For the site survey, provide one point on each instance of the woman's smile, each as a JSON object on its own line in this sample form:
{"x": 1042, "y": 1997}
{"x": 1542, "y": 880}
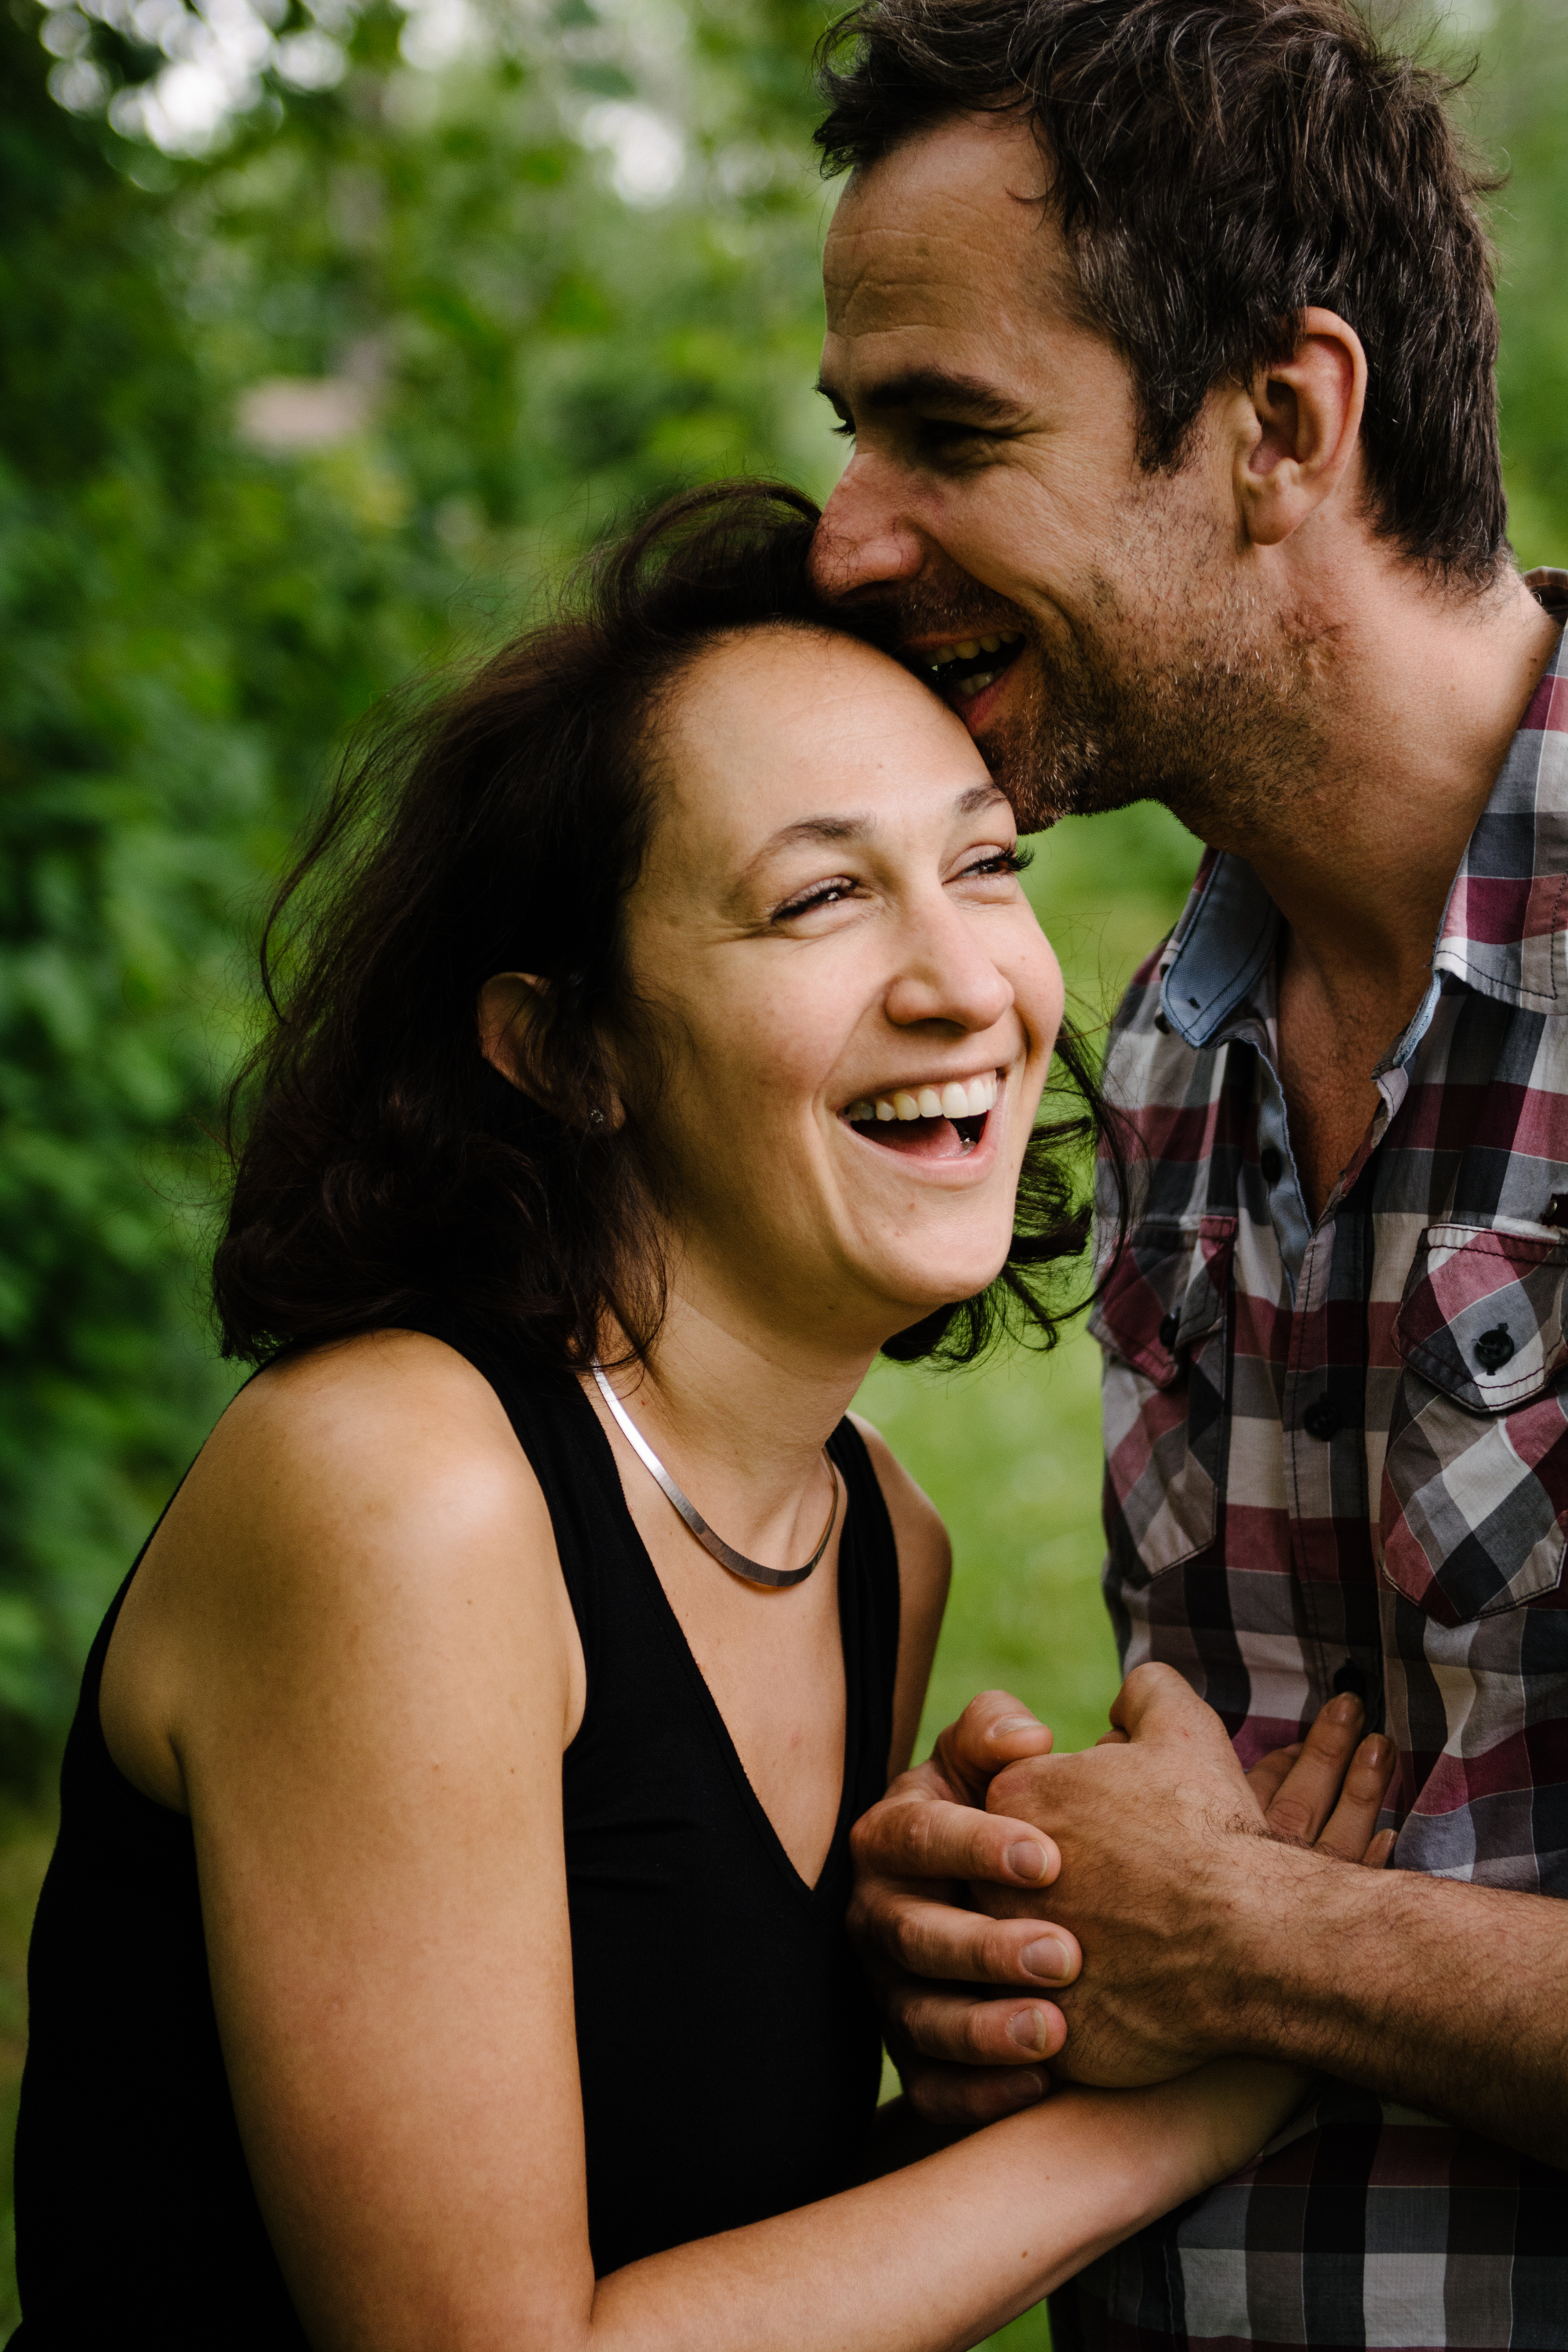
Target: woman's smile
{"x": 934, "y": 1118}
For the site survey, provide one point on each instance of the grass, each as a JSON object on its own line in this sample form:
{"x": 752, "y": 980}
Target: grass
{"x": 1009, "y": 1453}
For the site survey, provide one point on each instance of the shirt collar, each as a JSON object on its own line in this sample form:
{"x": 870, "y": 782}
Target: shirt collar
{"x": 1505, "y": 929}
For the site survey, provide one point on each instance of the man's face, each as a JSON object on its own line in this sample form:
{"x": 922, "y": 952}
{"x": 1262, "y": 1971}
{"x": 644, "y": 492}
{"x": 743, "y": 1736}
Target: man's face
{"x": 1095, "y": 625}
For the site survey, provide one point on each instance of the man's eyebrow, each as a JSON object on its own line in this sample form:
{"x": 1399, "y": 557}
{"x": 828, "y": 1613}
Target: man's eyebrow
{"x": 936, "y": 388}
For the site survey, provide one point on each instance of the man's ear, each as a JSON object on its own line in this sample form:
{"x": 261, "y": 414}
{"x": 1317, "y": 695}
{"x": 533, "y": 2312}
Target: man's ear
{"x": 512, "y": 1006}
{"x": 1299, "y": 426}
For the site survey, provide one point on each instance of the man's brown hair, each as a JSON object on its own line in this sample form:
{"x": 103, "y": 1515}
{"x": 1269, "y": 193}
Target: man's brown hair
{"x": 1217, "y": 166}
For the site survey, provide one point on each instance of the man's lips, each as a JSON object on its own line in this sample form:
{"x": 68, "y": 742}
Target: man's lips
{"x": 963, "y": 669}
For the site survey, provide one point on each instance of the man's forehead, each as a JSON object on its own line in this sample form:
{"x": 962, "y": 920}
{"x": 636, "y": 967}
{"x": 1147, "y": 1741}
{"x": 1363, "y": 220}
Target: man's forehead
{"x": 948, "y": 225}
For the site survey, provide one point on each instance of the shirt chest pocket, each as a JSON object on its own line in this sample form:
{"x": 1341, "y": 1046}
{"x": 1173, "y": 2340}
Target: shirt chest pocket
{"x": 1162, "y": 1320}
{"x": 1475, "y": 1483}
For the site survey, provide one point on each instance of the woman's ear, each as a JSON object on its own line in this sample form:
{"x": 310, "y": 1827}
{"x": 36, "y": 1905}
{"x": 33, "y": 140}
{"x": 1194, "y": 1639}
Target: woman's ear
{"x": 512, "y": 1007}
{"x": 509, "y": 1007}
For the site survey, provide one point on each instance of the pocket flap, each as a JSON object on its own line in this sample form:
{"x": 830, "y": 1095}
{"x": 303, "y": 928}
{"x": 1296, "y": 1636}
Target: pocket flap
{"x": 1165, "y": 1291}
{"x": 1482, "y": 1314}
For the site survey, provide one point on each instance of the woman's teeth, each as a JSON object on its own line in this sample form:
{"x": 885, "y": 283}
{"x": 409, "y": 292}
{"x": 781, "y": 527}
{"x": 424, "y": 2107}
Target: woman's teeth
{"x": 955, "y": 1100}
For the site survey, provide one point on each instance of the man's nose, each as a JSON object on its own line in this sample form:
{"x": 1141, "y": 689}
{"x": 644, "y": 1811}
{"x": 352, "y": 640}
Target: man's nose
{"x": 864, "y": 540}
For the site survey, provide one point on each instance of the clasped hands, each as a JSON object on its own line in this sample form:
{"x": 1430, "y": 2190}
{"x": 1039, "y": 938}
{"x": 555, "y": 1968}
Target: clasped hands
{"x": 1136, "y": 1900}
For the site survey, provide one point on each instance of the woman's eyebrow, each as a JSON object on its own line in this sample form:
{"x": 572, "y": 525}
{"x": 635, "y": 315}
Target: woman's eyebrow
{"x": 968, "y": 802}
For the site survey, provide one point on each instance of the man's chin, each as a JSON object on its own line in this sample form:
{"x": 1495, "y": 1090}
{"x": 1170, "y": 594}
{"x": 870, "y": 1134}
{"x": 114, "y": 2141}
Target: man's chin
{"x": 1045, "y": 780}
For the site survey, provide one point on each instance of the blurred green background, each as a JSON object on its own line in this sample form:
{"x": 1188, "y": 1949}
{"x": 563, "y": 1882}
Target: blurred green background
{"x": 330, "y": 331}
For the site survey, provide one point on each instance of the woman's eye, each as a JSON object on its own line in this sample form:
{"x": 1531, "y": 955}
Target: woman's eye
{"x": 999, "y": 861}
{"x": 823, "y": 894}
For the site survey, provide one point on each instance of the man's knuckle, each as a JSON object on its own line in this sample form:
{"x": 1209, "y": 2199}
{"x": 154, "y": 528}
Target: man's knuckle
{"x": 1291, "y": 1817}
{"x": 872, "y": 1836}
{"x": 978, "y": 2032}
{"x": 906, "y": 1938}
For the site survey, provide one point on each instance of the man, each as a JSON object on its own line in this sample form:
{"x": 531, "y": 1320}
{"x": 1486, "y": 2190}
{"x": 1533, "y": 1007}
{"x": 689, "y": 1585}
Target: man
{"x": 1165, "y": 331}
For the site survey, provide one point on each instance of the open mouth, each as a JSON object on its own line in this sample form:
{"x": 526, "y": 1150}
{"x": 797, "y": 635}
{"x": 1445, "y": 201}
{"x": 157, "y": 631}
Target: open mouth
{"x": 931, "y": 1122}
{"x": 962, "y": 671}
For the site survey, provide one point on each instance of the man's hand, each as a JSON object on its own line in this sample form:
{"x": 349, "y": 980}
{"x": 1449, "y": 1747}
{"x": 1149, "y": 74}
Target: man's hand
{"x": 924, "y": 1852}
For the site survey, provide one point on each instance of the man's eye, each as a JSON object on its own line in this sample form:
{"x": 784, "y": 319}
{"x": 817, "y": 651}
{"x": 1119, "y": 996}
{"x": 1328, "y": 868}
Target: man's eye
{"x": 937, "y": 433}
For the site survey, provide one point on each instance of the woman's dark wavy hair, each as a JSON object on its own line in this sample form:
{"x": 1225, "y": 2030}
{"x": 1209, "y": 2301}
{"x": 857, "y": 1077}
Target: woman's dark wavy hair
{"x": 382, "y": 1171}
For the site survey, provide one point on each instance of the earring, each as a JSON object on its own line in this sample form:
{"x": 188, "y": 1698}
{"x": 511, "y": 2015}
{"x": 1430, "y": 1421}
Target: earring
{"x": 596, "y": 1118}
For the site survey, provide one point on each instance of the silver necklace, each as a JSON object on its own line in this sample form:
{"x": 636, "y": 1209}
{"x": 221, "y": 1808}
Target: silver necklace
{"x": 735, "y": 1561}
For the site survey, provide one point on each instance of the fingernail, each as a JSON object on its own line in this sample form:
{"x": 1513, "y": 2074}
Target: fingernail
{"x": 1015, "y": 1723}
{"x": 1024, "y": 2089}
{"x": 1028, "y": 2029}
{"x": 1346, "y": 1710}
{"x": 1026, "y": 1860}
{"x": 1048, "y": 1959}
{"x": 1376, "y": 1749}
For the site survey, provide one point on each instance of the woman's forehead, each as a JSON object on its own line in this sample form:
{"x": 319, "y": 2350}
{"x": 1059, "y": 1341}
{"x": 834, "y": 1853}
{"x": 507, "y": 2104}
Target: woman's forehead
{"x": 788, "y": 721}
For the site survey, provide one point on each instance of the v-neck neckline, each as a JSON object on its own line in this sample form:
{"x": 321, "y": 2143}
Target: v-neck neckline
{"x": 763, "y": 1822}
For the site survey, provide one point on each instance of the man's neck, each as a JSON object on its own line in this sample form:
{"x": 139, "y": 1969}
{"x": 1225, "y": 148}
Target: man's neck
{"x": 1417, "y": 713}
{"x": 1423, "y": 702}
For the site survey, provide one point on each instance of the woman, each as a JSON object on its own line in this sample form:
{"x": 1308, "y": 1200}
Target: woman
{"x": 444, "y": 1945}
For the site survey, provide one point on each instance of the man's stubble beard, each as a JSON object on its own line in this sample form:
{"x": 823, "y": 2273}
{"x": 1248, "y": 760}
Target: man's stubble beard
{"x": 1179, "y": 687}
{"x": 1213, "y": 717}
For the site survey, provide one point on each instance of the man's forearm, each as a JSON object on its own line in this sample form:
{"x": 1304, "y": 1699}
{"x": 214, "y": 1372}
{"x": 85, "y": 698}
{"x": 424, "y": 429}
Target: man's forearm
{"x": 1452, "y": 1999}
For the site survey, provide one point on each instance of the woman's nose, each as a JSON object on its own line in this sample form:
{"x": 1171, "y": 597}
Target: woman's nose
{"x": 947, "y": 976}
{"x": 864, "y": 540}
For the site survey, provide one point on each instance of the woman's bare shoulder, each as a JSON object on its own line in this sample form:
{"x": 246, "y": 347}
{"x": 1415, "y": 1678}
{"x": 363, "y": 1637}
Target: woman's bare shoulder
{"x": 361, "y": 1511}
{"x": 392, "y": 1429}
{"x": 925, "y": 1555}
{"x": 926, "y": 1568}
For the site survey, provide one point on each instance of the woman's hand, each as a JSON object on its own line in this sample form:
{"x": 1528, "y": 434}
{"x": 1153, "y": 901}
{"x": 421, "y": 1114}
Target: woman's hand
{"x": 967, "y": 1996}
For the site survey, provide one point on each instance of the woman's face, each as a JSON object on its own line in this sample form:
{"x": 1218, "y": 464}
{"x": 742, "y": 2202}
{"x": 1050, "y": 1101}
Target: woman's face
{"x": 854, "y": 1005}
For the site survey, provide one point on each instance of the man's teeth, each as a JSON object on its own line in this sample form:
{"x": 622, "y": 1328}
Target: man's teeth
{"x": 970, "y": 649}
{"x": 955, "y": 1100}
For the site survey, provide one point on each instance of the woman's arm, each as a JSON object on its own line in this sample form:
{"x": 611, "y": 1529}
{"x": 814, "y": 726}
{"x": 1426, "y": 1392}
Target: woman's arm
{"x": 368, "y": 1675}
{"x": 940, "y": 2254}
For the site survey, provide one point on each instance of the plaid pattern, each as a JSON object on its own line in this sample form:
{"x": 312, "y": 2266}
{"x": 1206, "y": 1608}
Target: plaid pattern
{"x": 1337, "y": 1458}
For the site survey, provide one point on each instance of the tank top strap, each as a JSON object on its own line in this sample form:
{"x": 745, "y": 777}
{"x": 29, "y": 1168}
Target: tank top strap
{"x": 571, "y": 1457}
{"x": 868, "y": 1615}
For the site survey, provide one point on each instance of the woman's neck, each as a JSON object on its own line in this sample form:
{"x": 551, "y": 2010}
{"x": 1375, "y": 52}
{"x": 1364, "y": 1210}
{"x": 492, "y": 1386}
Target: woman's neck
{"x": 739, "y": 1415}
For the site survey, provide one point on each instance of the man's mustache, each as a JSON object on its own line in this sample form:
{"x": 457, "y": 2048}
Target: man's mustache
{"x": 902, "y": 620}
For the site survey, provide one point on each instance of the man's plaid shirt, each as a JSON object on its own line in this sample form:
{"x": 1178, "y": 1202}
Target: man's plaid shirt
{"x": 1337, "y": 1459}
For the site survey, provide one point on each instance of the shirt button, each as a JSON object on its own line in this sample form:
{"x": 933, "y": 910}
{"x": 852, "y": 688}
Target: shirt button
{"x": 1270, "y": 1163}
{"x": 1494, "y": 1349}
{"x": 1320, "y": 1420}
{"x": 1168, "y": 1330}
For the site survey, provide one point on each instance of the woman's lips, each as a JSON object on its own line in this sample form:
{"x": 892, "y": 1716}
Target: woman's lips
{"x": 929, "y": 1138}
{"x": 934, "y": 1121}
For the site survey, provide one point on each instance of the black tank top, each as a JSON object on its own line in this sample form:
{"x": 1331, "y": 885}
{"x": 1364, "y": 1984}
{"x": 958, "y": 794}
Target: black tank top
{"x": 727, "y": 2044}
